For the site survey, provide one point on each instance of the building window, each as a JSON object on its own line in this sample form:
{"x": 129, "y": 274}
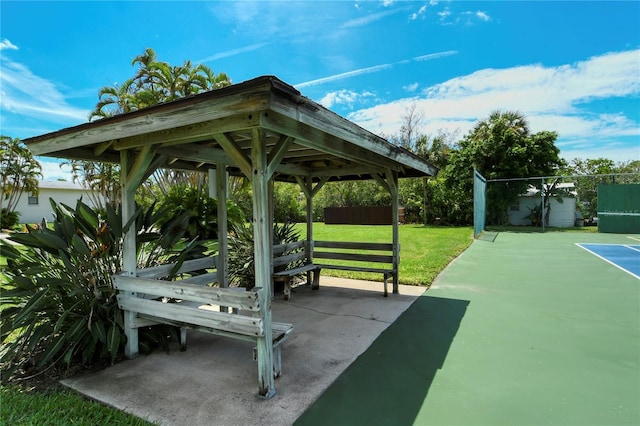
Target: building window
{"x": 33, "y": 199}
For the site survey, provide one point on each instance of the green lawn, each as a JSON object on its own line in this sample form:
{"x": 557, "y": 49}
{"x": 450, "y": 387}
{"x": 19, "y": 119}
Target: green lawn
{"x": 424, "y": 250}
{"x": 18, "y": 406}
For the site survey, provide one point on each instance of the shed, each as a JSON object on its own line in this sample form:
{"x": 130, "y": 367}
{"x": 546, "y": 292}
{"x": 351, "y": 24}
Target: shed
{"x": 562, "y": 206}
{"x": 263, "y": 129}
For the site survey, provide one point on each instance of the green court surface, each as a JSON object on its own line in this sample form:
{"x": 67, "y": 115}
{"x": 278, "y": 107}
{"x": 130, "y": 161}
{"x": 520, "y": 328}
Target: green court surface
{"x": 527, "y": 329}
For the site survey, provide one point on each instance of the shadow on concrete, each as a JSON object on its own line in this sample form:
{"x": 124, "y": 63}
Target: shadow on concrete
{"x": 387, "y": 384}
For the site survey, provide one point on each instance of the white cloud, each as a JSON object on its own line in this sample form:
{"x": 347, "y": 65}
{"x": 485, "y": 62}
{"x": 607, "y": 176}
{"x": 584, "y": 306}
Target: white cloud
{"x": 419, "y": 14}
{"x": 344, "y": 75}
{"x": 6, "y": 44}
{"x": 411, "y": 87}
{"x": 233, "y": 52}
{"x": 374, "y": 68}
{"x": 28, "y": 94}
{"x": 344, "y": 97}
{"x": 365, "y": 20}
{"x": 53, "y": 169}
{"x": 483, "y": 16}
{"x": 386, "y": 3}
{"x": 552, "y": 98}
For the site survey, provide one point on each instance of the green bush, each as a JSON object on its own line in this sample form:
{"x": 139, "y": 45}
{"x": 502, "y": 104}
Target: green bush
{"x": 241, "y": 258}
{"x": 58, "y": 304}
{"x": 8, "y": 220}
{"x": 201, "y": 210}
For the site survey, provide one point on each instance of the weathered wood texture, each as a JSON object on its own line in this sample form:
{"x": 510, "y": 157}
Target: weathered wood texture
{"x": 301, "y": 138}
{"x": 290, "y": 260}
{"x": 379, "y": 253}
{"x": 189, "y": 303}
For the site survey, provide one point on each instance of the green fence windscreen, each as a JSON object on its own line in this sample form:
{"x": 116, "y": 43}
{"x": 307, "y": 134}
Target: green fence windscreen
{"x": 479, "y": 202}
{"x": 619, "y": 208}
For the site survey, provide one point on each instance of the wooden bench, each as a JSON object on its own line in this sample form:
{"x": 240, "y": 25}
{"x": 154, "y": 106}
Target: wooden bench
{"x": 290, "y": 260}
{"x": 189, "y": 303}
{"x": 379, "y": 253}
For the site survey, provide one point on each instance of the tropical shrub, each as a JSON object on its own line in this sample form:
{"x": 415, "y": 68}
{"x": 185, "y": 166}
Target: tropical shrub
{"x": 58, "y": 304}
{"x": 201, "y": 210}
{"x": 241, "y": 258}
{"x": 8, "y": 220}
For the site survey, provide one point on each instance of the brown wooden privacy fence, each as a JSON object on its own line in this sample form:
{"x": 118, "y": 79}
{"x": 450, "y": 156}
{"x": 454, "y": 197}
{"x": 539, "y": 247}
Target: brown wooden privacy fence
{"x": 368, "y": 215}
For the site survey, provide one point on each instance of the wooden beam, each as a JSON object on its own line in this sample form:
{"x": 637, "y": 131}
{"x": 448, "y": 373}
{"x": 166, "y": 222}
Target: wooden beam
{"x": 381, "y": 180}
{"x": 307, "y": 113}
{"x": 101, "y": 148}
{"x": 223, "y": 232}
{"x": 129, "y": 261}
{"x": 320, "y": 140}
{"x": 235, "y": 153}
{"x": 277, "y": 153}
{"x": 262, "y": 263}
{"x": 192, "y": 132}
{"x": 140, "y": 167}
{"x": 221, "y": 103}
{"x": 392, "y": 182}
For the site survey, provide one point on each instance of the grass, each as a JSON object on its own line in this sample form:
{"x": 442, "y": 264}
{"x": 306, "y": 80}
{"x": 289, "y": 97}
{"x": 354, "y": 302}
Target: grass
{"x": 424, "y": 250}
{"x": 20, "y": 406}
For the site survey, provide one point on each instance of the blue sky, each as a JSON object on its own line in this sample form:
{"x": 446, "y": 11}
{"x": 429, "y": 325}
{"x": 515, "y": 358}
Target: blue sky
{"x": 571, "y": 67}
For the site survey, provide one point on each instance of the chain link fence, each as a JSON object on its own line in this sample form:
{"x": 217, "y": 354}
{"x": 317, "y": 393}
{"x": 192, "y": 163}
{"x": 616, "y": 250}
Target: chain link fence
{"x": 551, "y": 201}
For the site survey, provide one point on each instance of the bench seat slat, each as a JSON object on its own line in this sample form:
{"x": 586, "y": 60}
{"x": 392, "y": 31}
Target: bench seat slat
{"x": 240, "y": 324}
{"x": 355, "y": 268}
{"x": 296, "y": 271}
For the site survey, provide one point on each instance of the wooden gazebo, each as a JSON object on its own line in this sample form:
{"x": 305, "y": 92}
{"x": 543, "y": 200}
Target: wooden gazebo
{"x": 263, "y": 129}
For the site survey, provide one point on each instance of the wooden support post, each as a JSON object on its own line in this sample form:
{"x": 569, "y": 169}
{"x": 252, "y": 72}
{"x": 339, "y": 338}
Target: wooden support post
{"x": 259, "y": 182}
{"x": 392, "y": 182}
{"x": 270, "y": 190}
{"x": 223, "y": 231}
{"x": 309, "y": 191}
{"x": 129, "y": 262}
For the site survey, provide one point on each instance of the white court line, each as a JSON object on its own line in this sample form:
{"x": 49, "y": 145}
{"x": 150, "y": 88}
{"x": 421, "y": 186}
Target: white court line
{"x": 629, "y": 247}
{"x": 607, "y": 260}
{"x": 634, "y": 238}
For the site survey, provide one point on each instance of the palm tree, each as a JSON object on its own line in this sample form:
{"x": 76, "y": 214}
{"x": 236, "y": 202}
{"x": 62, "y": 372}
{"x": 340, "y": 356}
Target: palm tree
{"x": 116, "y": 99}
{"x": 19, "y": 171}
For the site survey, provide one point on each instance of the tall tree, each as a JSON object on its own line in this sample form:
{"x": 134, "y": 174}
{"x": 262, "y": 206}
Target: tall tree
{"x": 153, "y": 82}
{"x": 19, "y": 171}
{"x": 116, "y": 99}
{"x": 501, "y": 147}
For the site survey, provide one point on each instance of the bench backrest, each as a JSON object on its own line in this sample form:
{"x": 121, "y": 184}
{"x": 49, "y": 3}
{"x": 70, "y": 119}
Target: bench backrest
{"x": 284, "y": 254}
{"x": 188, "y": 300}
{"x": 370, "y": 252}
{"x": 163, "y": 271}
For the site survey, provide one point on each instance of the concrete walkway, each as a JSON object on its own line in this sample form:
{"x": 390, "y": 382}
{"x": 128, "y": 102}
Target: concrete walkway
{"x": 215, "y": 381}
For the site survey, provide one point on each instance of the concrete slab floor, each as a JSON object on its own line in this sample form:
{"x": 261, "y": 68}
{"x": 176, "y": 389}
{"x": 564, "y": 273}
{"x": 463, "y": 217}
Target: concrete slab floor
{"x": 215, "y": 380}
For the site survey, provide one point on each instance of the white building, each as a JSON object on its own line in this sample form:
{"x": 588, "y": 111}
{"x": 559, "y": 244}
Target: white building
{"x": 33, "y": 208}
{"x": 563, "y": 214}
